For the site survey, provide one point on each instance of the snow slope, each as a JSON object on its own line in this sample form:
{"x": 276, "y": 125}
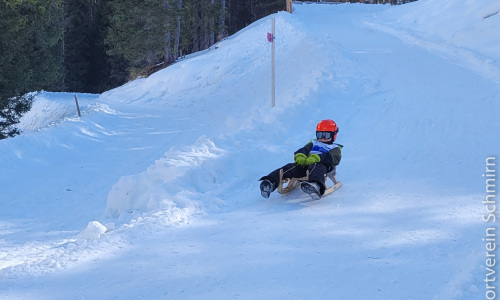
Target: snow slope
{"x": 153, "y": 193}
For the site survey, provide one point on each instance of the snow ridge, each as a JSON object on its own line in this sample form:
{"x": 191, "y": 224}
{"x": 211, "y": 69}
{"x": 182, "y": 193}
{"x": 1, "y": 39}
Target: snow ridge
{"x": 156, "y": 188}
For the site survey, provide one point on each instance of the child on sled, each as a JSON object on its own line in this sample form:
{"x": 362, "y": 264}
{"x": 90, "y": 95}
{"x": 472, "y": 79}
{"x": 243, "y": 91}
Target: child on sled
{"x": 319, "y": 157}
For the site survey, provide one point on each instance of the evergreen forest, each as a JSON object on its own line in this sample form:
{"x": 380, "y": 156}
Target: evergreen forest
{"x": 91, "y": 46}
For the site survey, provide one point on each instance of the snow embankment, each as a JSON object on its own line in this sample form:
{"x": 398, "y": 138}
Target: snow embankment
{"x": 51, "y": 109}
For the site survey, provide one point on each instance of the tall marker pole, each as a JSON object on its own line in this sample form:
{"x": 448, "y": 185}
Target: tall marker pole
{"x": 272, "y": 64}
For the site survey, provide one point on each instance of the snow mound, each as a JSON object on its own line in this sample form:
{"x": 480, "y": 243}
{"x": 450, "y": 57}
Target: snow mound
{"x": 93, "y": 231}
{"x": 157, "y": 189}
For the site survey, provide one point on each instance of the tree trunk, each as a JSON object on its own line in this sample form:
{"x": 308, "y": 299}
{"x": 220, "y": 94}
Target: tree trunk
{"x": 178, "y": 32}
{"x": 222, "y": 19}
{"x": 167, "y": 58}
{"x": 212, "y": 29}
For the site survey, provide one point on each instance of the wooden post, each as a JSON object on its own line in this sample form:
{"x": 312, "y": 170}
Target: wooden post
{"x": 272, "y": 64}
{"x": 289, "y": 6}
{"x": 78, "y": 106}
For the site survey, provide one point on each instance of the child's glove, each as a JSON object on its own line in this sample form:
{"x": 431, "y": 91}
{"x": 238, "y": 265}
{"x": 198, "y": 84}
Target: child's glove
{"x": 300, "y": 159}
{"x": 313, "y": 158}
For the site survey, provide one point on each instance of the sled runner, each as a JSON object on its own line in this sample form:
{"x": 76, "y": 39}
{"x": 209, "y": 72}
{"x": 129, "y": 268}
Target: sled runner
{"x": 287, "y": 185}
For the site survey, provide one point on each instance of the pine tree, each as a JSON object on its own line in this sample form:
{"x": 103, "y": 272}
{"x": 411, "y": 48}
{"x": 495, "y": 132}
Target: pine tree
{"x": 178, "y": 12}
{"x": 200, "y": 22}
{"x": 11, "y": 113}
{"x": 46, "y": 41}
{"x": 86, "y": 66}
{"x": 151, "y": 33}
{"x": 262, "y": 8}
{"x": 137, "y": 33}
{"x": 30, "y": 55}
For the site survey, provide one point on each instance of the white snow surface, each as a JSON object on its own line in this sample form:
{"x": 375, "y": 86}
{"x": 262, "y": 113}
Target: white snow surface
{"x": 154, "y": 194}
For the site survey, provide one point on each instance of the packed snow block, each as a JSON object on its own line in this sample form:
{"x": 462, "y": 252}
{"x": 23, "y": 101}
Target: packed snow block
{"x": 93, "y": 231}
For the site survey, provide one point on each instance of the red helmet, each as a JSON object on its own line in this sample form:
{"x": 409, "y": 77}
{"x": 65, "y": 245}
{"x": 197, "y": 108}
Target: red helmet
{"x": 328, "y": 126}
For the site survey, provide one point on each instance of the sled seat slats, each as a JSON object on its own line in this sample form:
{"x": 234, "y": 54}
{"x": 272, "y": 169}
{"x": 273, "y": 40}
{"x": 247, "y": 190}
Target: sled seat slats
{"x": 287, "y": 185}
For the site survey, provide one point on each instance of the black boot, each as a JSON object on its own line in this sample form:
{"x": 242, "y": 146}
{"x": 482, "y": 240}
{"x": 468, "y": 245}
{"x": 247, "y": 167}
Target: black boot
{"x": 266, "y": 187}
{"x": 311, "y": 188}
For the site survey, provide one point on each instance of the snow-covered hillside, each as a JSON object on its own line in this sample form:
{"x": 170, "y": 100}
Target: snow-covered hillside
{"x": 153, "y": 192}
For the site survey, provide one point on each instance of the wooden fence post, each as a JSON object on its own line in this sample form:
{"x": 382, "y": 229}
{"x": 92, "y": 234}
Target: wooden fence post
{"x": 77, "y": 106}
{"x": 289, "y": 6}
